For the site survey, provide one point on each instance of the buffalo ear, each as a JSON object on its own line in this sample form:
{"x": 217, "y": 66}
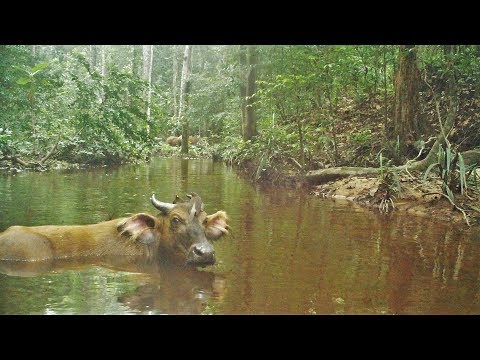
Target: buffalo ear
{"x": 138, "y": 228}
{"x": 216, "y": 225}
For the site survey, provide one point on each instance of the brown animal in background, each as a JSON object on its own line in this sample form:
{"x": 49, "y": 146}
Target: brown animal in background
{"x": 180, "y": 231}
{"x": 193, "y": 139}
{"x": 174, "y": 140}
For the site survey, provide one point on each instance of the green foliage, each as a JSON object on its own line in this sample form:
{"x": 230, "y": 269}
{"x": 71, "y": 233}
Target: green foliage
{"x": 389, "y": 184}
{"x": 313, "y": 102}
{"x": 94, "y": 119}
{"x": 273, "y": 150}
{"x": 109, "y": 118}
{"x": 5, "y": 141}
{"x": 391, "y": 150}
{"x": 452, "y": 171}
{"x": 362, "y": 137}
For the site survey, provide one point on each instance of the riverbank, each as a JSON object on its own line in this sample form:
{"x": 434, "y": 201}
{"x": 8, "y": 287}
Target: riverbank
{"x": 415, "y": 197}
{"x": 407, "y": 193}
{"x": 202, "y": 150}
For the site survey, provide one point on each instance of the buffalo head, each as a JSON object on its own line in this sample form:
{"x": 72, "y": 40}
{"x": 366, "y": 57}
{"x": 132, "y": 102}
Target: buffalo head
{"x": 182, "y": 229}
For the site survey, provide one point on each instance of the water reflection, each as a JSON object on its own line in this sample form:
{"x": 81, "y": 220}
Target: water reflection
{"x": 152, "y": 287}
{"x": 300, "y": 255}
{"x": 173, "y": 290}
{"x": 289, "y": 253}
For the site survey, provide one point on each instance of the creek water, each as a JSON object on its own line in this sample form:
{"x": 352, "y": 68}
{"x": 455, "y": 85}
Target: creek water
{"x": 288, "y": 252}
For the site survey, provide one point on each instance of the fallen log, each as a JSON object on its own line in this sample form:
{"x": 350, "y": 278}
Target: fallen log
{"x": 315, "y": 177}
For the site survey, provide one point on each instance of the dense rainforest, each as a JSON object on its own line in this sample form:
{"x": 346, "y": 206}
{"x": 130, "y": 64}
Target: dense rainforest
{"x": 312, "y": 113}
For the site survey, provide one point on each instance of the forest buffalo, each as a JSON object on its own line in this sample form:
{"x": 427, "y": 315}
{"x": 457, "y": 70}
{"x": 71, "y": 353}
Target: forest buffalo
{"x": 177, "y": 140}
{"x": 181, "y": 230}
{"x": 174, "y": 140}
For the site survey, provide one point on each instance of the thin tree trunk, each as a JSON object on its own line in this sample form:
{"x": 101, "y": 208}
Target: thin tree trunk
{"x": 201, "y": 58}
{"x": 175, "y": 82}
{"x": 385, "y": 103}
{"x": 149, "y": 97}
{"x": 147, "y": 76}
{"x": 34, "y": 50}
{"x": 406, "y": 97}
{"x": 93, "y": 57}
{"x": 104, "y": 65}
{"x": 250, "y": 126}
{"x": 146, "y": 61}
{"x": 301, "y": 140}
{"x": 331, "y": 111}
{"x": 184, "y": 90}
{"x": 243, "y": 80}
{"x": 136, "y": 59}
{"x": 32, "y": 102}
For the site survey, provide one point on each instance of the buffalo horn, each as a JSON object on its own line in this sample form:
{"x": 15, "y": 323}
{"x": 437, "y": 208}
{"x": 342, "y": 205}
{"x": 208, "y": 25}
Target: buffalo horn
{"x": 162, "y": 206}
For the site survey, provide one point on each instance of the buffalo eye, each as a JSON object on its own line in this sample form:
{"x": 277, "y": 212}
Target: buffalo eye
{"x": 176, "y": 221}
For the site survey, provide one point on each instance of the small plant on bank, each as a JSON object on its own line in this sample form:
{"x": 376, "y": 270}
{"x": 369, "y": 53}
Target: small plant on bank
{"x": 452, "y": 171}
{"x": 389, "y": 186}
{"x": 455, "y": 175}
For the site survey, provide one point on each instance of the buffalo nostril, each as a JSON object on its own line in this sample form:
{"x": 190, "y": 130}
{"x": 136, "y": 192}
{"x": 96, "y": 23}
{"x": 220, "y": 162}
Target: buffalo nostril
{"x": 197, "y": 251}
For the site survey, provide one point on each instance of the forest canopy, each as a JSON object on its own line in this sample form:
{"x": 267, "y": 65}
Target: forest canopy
{"x": 295, "y": 107}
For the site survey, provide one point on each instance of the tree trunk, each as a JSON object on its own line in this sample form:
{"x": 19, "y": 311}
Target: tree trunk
{"x": 104, "y": 65}
{"x": 149, "y": 95}
{"x": 406, "y": 97}
{"x": 175, "y": 82}
{"x": 93, "y": 57}
{"x": 250, "y": 124}
{"x": 33, "y": 114}
{"x": 333, "y": 121}
{"x": 301, "y": 141}
{"x": 385, "y": 102}
{"x": 147, "y": 76}
{"x": 136, "y": 59}
{"x": 184, "y": 90}
{"x": 146, "y": 61}
{"x": 243, "y": 81}
{"x": 34, "y": 50}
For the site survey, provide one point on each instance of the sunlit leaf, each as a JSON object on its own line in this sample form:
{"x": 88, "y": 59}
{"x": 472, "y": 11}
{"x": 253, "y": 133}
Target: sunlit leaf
{"x": 23, "y": 80}
{"x": 38, "y": 67}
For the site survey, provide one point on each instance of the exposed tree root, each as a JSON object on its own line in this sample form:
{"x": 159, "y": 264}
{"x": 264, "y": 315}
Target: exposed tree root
{"x": 29, "y": 164}
{"x": 451, "y": 202}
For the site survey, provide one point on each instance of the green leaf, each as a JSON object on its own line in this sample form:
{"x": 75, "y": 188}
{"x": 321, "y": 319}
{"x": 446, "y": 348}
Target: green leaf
{"x": 38, "y": 67}
{"x": 449, "y": 159}
{"x": 440, "y": 154}
{"x": 429, "y": 169}
{"x": 474, "y": 208}
{"x": 462, "y": 169}
{"x": 23, "y": 81}
{"x": 449, "y": 193}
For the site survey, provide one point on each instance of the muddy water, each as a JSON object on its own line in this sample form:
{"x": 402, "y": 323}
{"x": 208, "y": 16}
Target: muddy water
{"x": 289, "y": 253}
